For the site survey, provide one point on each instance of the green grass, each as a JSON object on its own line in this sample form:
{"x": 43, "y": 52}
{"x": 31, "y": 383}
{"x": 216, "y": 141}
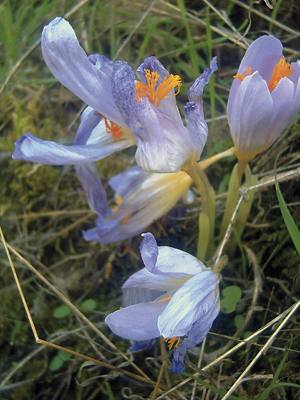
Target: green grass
{"x": 43, "y": 209}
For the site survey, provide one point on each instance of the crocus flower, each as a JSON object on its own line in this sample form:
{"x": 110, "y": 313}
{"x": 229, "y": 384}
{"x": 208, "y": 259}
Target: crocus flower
{"x": 164, "y": 143}
{"x": 174, "y": 297}
{"x": 264, "y": 97}
{"x": 140, "y": 198}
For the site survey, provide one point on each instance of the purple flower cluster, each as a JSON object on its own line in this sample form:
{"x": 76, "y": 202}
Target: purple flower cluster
{"x": 174, "y": 296}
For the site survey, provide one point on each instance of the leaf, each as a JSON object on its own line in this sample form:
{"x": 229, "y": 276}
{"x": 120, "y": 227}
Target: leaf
{"x": 88, "y": 305}
{"x": 288, "y": 219}
{"x": 231, "y": 296}
{"x": 61, "y": 312}
{"x": 58, "y": 361}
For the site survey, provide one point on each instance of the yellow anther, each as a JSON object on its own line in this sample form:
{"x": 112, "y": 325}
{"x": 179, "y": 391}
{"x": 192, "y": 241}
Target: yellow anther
{"x": 156, "y": 92}
{"x": 281, "y": 70}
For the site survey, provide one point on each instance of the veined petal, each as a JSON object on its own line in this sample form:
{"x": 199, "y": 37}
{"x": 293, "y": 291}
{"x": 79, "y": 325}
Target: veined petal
{"x": 262, "y": 56}
{"x": 149, "y": 251}
{"x": 31, "y": 148}
{"x": 143, "y": 204}
{"x": 283, "y": 109}
{"x": 91, "y": 183}
{"x": 251, "y": 114}
{"x": 174, "y": 260}
{"x": 191, "y": 302}
{"x": 88, "y": 122}
{"x": 196, "y": 335}
{"x": 137, "y": 322}
{"x": 69, "y": 63}
{"x": 124, "y": 182}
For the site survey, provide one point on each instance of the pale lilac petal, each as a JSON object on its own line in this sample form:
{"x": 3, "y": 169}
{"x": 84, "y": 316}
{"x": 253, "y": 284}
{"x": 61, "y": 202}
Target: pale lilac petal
{"x": 294, "y": 77}
{"x": 191, "y": 302}
{"x": 134, "y": 295}
{"x": 177, "y": 261}
{"x": 196, "y": 90}
{"x": 195, "y": 336}
{"x": 149, "y": 251}
{"x": 283, "y": 109}
{"x": 69, "y": 63}
{"x": 262, "y": 55}
{"x": 160, "y": 281}
{"x": 143, "y": 345}
{"x": 251, "y": 114}
{"x": 137, "y": 322}
{"x": 88, "y": 122}
{"x": 143, "y": 204}
{"x": 153, "y": 64}
{"x": 33, "y": 149}
{"x": 91, "y": 183}
{"x": 125, "y": 181}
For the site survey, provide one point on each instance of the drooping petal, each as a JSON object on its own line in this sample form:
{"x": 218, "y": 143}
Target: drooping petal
{"x": 125, "y": 181}
{"x": 196, "y": 335}
{"x": 190, "y": 303}
{"x": 88, "y": 122}
{"x": 149, "y": 251}
{"x": 143, "y": 204}
{"x": 137, "y": 322}
{"x": 251, "y": 114}
{"x": 91, "y": 183}
{"x": 69, "y": 63}
{"x": 33, "y": 149}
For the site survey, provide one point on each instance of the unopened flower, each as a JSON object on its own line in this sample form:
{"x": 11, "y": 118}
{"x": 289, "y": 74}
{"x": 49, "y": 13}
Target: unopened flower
{"x": 140, "y": 198}
{"x": 174, "y": 297}
{"x": 264, "y": 97}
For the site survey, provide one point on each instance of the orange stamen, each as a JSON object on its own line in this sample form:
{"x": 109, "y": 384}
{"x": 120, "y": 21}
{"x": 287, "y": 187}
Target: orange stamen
{"x": 112, "y": 128}
{"x": 242, "y": 76}
{"x": 157, "y": 92}
{"x": 172, "y": 342}
{"x": 281, "y": 70}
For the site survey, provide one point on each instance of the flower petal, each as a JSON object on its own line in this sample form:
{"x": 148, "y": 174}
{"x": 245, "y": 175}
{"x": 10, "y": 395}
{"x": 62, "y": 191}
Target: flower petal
{"x": 143, "y": 204}
{"x": 89, "y": 120}
{"x": 91, "y": 183}
{"x": 137, "y": 322}
{"x": 125, "y": 181}
{"x": 195, "y": 336}
{"x": 262, "y": 55}
{"x": 149, "y": 251}
{"x": 251, "y": 114}
{"x": 69, "y": 63}
{"x": 190, "y": 303}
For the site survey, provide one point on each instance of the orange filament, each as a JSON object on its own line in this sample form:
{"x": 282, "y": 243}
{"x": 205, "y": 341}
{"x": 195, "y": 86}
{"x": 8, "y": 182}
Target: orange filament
{"x": 281, "y": 70}
{"x": 157, "y": 92}
{"x": 242, "y": 76}
{"x": 172, "y": 342}
{"x": 112, "y": 128}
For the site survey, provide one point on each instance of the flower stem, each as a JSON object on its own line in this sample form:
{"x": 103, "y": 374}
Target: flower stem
{"x": 211, "y": 160}
{"x": 206, "y": 220}
{"x": 232, "y": 194}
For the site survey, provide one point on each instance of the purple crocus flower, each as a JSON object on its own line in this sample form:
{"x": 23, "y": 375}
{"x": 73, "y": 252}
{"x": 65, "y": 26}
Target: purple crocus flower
{"x": 164, "y": 143}
{"x": 264, "y": 97}
{"x": 147, "y": 108}
{"x": 140, "y": 198}
{"x": 174, "y": 296}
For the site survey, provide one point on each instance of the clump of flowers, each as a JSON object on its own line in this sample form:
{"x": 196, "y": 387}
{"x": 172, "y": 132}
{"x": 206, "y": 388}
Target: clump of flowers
{"x": 175, "y": 296}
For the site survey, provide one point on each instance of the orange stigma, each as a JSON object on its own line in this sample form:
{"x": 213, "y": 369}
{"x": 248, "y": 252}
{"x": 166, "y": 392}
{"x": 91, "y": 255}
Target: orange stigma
{"x": 157, "y": 92}
{"x": 172, "y": 342}
{"x": 242, "y": 76}
{"x": 112, "y": 128}
{"x": 281, "y": 70}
